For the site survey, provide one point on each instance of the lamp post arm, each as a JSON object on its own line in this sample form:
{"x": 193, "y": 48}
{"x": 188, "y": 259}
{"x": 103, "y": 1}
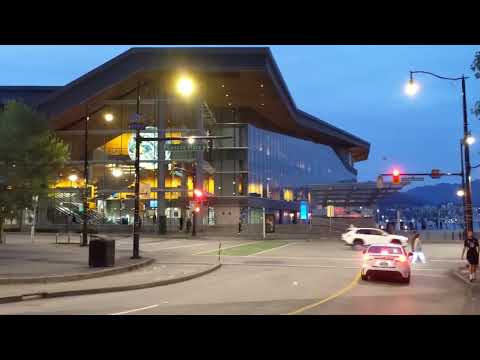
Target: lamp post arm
{"x": 435, "y": 75}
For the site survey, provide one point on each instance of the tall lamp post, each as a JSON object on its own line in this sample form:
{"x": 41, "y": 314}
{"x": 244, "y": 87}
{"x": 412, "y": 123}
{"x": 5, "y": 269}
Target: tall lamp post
{"x": 411, "y": 89}
{"x": 84, "y": 241}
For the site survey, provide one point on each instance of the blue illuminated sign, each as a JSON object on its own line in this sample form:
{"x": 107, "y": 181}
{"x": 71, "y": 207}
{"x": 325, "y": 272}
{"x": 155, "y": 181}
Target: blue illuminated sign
{"x": 303, "y": 210}
{"x": 153, "y": 203}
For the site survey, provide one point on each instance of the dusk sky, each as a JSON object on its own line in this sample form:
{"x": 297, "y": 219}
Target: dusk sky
{"x": 357, "y": 88}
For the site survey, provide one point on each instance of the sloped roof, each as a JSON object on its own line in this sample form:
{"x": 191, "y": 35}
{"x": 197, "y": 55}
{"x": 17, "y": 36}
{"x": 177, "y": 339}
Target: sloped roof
{"x": 250, "y": 73}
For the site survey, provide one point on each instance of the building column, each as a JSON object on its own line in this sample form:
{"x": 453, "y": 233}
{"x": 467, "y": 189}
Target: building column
{"x": 161, "y": 113}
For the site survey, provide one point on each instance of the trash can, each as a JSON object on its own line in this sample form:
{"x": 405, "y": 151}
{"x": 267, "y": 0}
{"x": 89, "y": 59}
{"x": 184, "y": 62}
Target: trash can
{"x": 101, "y": 253}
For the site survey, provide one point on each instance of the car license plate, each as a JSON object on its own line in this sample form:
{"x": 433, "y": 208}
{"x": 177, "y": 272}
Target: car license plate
{"x": 384, "y": 264}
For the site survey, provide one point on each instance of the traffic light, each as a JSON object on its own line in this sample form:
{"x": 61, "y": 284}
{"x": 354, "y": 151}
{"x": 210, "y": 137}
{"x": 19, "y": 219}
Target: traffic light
{"x": 198, "y": 195}
{"x": 396, "y": 177}
{"x": 435, "y": 174}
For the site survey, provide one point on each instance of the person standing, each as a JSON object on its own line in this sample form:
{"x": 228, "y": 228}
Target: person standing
{"x": 417, "y": 249}
{"x": 181, "y": 223}
{"x": 472, "y": 248}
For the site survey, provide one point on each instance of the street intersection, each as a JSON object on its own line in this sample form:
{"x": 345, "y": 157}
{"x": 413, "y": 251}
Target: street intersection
{"x": 293, "y": 277}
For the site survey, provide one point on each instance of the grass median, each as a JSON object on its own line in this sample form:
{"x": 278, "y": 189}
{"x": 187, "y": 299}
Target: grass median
{"x": 249, "y": 249}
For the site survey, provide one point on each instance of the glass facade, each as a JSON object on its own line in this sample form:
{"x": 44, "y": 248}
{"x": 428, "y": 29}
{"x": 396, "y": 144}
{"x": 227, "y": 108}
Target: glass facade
{"x": 279, "y": 166}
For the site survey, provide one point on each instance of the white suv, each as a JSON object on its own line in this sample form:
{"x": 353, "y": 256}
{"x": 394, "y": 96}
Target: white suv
{"x": 369, "y": 236}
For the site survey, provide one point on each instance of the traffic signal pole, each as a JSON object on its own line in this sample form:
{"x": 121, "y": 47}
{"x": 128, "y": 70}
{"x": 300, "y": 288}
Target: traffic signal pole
{"x": 468, "y": 167}
{"x": 194, "y": 213}
{"x": 136, "y": 219}
{"x": 84, "y": 241}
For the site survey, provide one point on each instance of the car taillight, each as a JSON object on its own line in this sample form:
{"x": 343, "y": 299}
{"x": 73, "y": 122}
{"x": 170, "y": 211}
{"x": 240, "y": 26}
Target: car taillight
{"x": 402, "y": 258}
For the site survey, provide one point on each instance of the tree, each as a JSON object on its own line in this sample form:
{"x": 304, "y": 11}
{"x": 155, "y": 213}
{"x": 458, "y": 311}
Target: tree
{"x": 30, "y": 157}
{"x": 476, "y": 69}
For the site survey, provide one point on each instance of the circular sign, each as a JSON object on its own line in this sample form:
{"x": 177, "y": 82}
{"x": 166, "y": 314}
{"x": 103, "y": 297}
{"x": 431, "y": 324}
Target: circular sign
{"x": 148, "y": 149}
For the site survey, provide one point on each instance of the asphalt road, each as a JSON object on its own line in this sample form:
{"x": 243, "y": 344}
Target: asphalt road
{"x": 300, "y": 278}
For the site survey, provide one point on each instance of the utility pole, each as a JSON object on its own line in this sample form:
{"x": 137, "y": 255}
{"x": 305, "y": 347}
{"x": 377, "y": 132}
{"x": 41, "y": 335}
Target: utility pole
{"x": 194, "y": 212}
{"x": 468, "y": 167}
{"x": 85, "y": 190}
{"x": 136, "y": 221}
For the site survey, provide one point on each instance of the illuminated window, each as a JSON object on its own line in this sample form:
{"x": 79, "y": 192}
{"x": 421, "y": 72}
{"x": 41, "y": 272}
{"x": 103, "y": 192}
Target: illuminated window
{"x": 287, "y": 195}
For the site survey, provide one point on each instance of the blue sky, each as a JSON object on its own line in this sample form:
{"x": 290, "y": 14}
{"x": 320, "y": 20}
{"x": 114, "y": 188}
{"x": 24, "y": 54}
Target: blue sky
{"x": 357, "y": 88}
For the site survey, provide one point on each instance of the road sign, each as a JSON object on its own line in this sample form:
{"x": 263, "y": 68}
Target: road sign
{"x": 185, "y": 147}
{"x": 136, "y": 126}
{"x": 136, "y": 122}
{"x": 135, "y": 118}
{"x": 412, "y": 178}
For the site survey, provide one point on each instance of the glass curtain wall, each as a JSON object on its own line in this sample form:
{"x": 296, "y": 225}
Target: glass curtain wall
{"x": 279, "y": 166}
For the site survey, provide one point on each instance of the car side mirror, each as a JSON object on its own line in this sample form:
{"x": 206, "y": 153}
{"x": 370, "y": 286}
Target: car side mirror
{"x": 410, "y": 254}
{"x": 364, "y": 251}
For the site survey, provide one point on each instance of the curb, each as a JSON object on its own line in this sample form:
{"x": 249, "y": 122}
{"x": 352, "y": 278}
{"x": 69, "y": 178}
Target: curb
{"x": 46, "y": 295}
{"x": 78, "y": 276}
{"x": 456, "y": 274}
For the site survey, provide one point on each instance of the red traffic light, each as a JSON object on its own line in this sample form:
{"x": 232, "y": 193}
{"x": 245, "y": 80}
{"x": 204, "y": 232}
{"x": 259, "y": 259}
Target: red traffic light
{"x": 198, "y": 193}
{"x": 396, "y": 177}
{"x": 435, "y": 174}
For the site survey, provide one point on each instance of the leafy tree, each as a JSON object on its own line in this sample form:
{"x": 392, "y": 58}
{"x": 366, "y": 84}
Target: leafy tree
{"x": 30, "y": 157}
{"x": 476, "y": 69}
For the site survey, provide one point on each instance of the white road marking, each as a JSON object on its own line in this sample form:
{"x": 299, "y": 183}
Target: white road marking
{"x": 182, "y": 246}
{"x": 135, "y": 310}
{"x": 264, "y": 251}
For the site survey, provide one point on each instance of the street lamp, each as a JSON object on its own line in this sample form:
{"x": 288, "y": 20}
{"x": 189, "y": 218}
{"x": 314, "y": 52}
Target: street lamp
{"x": 411, "y": 89}
{"x": 185, "y": 86}
{"x": 470, "y": 140}
{"x": 117, "y": 172}
{"x": 73, "y": 177}
{"x": 460, "y": 193}
{"x": 108, "y": 117}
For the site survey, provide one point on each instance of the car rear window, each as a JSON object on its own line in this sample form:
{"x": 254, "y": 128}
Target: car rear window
{"x": 388, "y": 249}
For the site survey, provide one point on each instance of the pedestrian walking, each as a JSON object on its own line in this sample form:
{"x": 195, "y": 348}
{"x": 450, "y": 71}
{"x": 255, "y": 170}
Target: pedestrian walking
{"x": 417, "y": 249}
{"x": 154, "y": 218}
{"x": 472, "y": 248}
{"x": 189, "y": 225}
{"x": 240, "y": 225}
{"x": 181, "y": 223}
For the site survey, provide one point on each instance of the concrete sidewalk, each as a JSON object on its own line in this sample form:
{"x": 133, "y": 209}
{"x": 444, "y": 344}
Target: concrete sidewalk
{"x": 46, "y": 269}
{"x": 24, "y": 261}
{"x": 151, "y": 276}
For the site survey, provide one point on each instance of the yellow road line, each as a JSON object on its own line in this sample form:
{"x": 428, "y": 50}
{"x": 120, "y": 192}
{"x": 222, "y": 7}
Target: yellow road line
{"x": 337, "y": 294}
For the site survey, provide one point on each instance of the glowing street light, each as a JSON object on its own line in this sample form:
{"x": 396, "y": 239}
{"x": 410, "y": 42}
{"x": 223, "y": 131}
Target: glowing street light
{"x": 460, "y": 193}
{"x": 73, "y": 178}
{"x": 412, "y": 87}
{"x": 191, "y": 140}
{"x": 470, "y": 140}
{"x": 108, "y": 117}
{"x": 117, "y": 172}
{"x": 185, "y": 86}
